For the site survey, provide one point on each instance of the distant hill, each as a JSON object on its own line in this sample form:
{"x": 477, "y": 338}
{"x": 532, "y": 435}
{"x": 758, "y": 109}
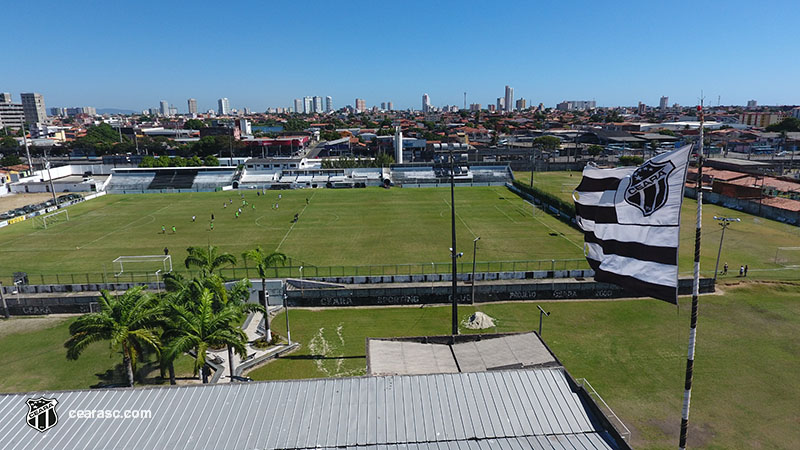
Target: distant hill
{"x": 115, "y": 111}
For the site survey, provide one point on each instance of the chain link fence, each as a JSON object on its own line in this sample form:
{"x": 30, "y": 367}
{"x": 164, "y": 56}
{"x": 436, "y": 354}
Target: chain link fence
{"x": 295, "y": 270}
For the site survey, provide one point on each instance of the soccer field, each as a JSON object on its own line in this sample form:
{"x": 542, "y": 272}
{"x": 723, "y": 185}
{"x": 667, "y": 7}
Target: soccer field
{"x": 371, "y": 226}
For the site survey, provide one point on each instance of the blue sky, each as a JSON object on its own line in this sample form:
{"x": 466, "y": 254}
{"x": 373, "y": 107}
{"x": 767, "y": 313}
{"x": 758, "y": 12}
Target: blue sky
{"x": 261, "y": 54}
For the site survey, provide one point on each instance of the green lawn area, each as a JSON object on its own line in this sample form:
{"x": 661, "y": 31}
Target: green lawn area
{"x": 338, "y": 228}
{"x": 632, "y": 352}
{"x": 33, "y": 358}
{"x": 753, "y": 241}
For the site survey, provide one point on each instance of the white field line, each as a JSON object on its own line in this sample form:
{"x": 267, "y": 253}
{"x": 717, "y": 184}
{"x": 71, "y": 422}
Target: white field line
{"x": 151, "y": 216}
{"x": 295, "y": 223}
{"x": 459, "y": 218}
{"x": 548, "y": 226}
{"x": 503, "y": 213}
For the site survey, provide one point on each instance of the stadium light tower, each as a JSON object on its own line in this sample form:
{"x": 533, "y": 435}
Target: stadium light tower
{"x": 723, "y": 222}
{"x": 453, "y": 254}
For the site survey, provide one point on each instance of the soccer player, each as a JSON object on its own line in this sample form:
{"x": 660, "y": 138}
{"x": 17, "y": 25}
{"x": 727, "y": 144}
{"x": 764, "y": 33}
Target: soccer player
{"x": 193, "y": 217}
{"x": 254, "y": 206}
{"x": 173, "y": 229}
{"x": 280, "y": 196}
{"x": 224, "y": 205}
{"x": 163, "y": 229}
{"x": 166, "y": 251}
{"x": 212, "y": 217}
{"x": 212, "y": 226}
{"x": 306, "y": 200}
{"x": 237, "y": 214}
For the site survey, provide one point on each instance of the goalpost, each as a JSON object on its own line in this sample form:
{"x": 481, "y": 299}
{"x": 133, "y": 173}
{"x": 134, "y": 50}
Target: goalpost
{"x": 133, "y": 261}
{"x": 788, "y": 257}
{"x": 46, "y": 220}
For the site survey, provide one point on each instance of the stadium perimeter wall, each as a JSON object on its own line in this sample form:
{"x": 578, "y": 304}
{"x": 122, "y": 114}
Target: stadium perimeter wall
{"x": 304, "y": 295}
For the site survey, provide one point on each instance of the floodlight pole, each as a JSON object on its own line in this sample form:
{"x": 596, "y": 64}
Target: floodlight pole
{"x": 27, "y": 148}
{"x": 541, "y": 314}
{"x": 474, "y": 251}
{"x": 724, "y": 222}
{"x": 453, "y": 248}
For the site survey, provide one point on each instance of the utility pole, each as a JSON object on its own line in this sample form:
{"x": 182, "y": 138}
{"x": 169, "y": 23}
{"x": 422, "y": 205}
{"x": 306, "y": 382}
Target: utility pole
{"x": 50, "y": 178}
{"x": 541, "y": 314}
{"x": 474, "y": 251}
{"x": 724, "y": 222}
{"x": 27, "y": 148}
{"x": 453, "y": 253}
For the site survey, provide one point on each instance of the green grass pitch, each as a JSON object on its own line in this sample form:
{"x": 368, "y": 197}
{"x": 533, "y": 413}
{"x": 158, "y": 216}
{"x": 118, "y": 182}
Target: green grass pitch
{"x": 337, "y": 227}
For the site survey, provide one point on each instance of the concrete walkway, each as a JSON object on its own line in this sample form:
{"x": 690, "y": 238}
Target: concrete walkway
{"x": 219, "y": 358}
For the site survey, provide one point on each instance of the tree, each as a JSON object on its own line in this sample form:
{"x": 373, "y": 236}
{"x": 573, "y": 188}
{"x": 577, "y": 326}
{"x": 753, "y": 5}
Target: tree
{"x": 549, "y": 143}
{"x": 327, "y": 135}
{"x": 788, "y": 124}
{"x": 10, "y": 160}
{"x": 263, "y": 262}
{"x": 207, "y": 259}
{"x": 201, "y": 328}
{"x": 128, "y": 321}
{"x": 9, "y": 143}
{"x": 595, "y": 150}
{"x": 210, "y": 160}
{"x": 194, "y": 124}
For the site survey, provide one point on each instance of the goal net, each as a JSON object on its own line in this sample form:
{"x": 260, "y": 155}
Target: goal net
{"x": 146, "y": 264}
{"x": 788, "y": 256}
{"x": 47, "y": 220}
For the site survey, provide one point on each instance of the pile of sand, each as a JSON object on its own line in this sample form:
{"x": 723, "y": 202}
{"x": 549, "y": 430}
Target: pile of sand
{"x": 478, "y": 321}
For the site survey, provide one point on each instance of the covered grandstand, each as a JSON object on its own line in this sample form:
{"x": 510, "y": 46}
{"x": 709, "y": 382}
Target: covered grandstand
{"x": 169, "y": 179}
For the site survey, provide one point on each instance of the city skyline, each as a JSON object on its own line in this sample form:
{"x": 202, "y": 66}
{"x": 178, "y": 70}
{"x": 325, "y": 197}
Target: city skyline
{"x": 550, "y": 65}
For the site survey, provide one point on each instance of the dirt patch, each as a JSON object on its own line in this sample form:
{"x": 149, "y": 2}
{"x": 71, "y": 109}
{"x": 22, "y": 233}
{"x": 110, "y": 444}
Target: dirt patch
{"x": 25, "y": 324}
{"x": 14, "y": 201}
{"x": 700, "y": 434}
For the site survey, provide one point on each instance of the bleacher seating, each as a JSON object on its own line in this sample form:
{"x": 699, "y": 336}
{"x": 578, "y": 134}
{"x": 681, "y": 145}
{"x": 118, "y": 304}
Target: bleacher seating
{"x": 212, "y": 180}
{"x": 130, "y": 181}
{"x": 173, "y": 179}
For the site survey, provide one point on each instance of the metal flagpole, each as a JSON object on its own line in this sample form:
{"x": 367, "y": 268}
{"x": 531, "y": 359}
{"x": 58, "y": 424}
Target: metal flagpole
{"x": 687, "y": 394}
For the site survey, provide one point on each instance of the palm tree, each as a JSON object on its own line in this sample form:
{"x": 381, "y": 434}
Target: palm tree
{"x": 129, "y": 321}
{"x": 207, "y": 259}
{"x": 263, "y": 262}
{"x": 201, "y": 328}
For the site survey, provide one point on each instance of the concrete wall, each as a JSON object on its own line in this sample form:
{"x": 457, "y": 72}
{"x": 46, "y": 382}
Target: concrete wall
{"x": 748, "y": 206}
{"x": 418, "y": 295}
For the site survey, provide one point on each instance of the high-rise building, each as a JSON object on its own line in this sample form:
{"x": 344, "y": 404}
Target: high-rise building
{"x": 642, "y": 109}
{"x": 492, "y": 108}
{"x": 663, "y": 104}
{"x": 752, "y": 104}
{"x": 576, "y": 105}
{"x": 192, "y": 102}
{"x": 5, "y": 97}
{"x": 308, "y": 105}
{"x": 328, "y": 104}
{"x": 390, "y": 106}
{"x": 33, "y": 106}
{"x": 317, "y": 104}
{"x": 426, "y": 103}
{"x": 383, "y": 106}
{"x": 521, "y": 104}
{"x": 163, "y": 109}
{"x": 474, "y": 106}
{"x": 298, "y": 105}
{"x": 501, "y": 104}
{"x": 223, "y": 106}
{"x": 172, "y": 110}
{"x": 361, "y": 105}
{"x": 509, "y": 99}
{"x": 12, "y": 115}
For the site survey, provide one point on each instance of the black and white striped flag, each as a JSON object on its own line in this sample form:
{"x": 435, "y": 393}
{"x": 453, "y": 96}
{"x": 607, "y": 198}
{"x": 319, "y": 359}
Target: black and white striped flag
{"x": 630, "y": 217}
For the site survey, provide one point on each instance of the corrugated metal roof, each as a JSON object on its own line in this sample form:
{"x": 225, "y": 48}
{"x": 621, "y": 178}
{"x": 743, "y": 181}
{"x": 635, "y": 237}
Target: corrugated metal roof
{"x": 532, "y": 408}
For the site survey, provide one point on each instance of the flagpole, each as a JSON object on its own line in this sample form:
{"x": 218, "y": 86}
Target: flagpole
{"x": 687, "y": 395}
